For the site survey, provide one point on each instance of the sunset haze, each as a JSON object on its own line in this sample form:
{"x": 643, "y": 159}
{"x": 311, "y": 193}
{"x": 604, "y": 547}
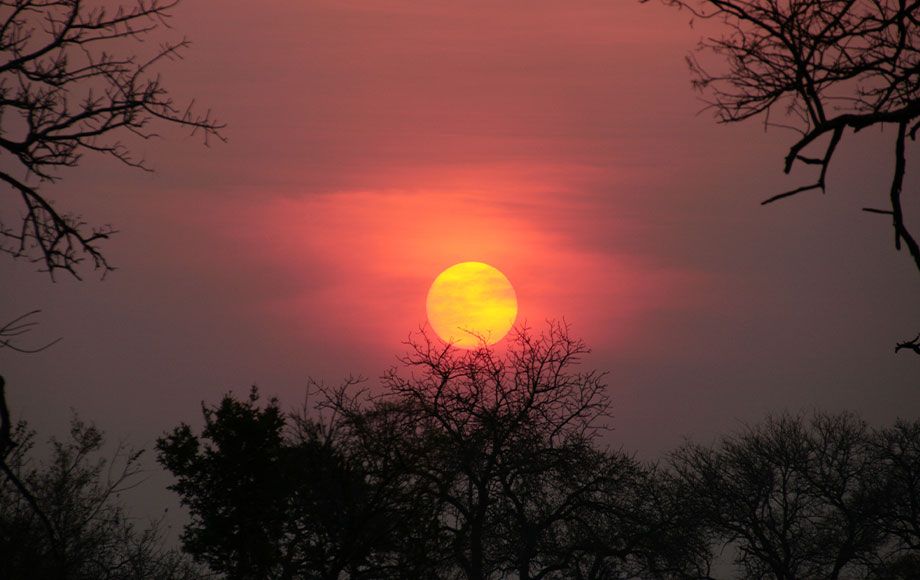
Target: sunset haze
{"x": 372, "y": 144}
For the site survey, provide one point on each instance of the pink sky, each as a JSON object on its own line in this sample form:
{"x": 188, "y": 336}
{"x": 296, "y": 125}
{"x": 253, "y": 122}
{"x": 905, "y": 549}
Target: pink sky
{"x": 373, "y": 144}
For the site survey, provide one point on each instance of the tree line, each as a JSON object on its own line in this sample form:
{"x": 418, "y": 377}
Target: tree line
{"x": 473, "y": 465}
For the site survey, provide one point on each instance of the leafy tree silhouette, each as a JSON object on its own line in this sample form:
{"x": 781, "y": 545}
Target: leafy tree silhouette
{"x": 822, "y": 68}
{"x": 243, "y": 474}
{"x": 68, "y": 87}
{"x": 269, "y": 502}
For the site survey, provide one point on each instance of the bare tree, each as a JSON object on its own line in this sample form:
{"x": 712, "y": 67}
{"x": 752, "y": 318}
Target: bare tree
{"x": 635, "y": 523}
{"x": 499, "y": 447}
{"x": 507, "y": 431}
{"x": 899, "y": 449}
{"x": 61, "y": 519}
{"x": 68, "y": 86}
{"x": 823, "y": 68}
{"x": 798, "y": 498}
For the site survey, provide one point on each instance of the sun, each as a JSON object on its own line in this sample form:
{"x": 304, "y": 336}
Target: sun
{"x": 471, "y": 303}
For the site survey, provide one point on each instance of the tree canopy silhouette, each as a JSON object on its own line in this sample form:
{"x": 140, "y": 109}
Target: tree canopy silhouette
{"x": 823, "y": 68}
{"x": 487, "y": 464}
{"x": 801, "y": 498}
{"x": 269, "y": 500}
{"x": 60, "y": 516}
{"x": 463, "y": 464}
{"x": 69, "y": 85}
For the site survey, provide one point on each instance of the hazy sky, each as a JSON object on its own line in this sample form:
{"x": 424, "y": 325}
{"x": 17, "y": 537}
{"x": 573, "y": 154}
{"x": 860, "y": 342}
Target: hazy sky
{"x": 374, "y": 143}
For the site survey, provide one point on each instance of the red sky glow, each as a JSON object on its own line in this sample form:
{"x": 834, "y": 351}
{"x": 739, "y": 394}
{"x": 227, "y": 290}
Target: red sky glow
{"x": 371, "y": 144}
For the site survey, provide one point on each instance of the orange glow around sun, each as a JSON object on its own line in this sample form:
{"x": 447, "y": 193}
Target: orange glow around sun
{"x": 471, "y": 303}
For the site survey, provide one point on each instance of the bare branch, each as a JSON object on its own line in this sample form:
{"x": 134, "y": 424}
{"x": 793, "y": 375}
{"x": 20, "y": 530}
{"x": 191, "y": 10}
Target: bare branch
{"x": 65, "y": 94}
{"x": 913, "y": 345}
{"x": 17, "y": 327}
{"x": 901, "y": 233}
{"x": 791, "y": 193}
{"x": 821, "y": 67}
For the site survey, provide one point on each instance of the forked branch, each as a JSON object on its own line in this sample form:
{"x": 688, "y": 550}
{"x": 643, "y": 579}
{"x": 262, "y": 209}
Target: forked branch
{"x": 68, "y": 87}
{"x": 821, "y": 67}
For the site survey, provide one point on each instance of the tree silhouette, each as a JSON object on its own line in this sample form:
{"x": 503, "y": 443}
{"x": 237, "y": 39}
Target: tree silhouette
{"x": 511, "y": 454}
{"x": 486, "y": 464}
{"x": 237, "y": 526}
{"x": 271, "y": 501}
{"x": 800, "y": 499}
{"x": 822, "y": 68}
{"x": 512, "y": 458}
{"x": 506, "y": 427}
{"x": 68, "y": 87}
{"x": 898, "y": 448}
{"x": 464, "y": 464}
{"x": 60, "y": 518}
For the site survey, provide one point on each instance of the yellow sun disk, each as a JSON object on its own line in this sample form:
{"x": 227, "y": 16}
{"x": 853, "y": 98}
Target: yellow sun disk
{"x": 471, "y": 302}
